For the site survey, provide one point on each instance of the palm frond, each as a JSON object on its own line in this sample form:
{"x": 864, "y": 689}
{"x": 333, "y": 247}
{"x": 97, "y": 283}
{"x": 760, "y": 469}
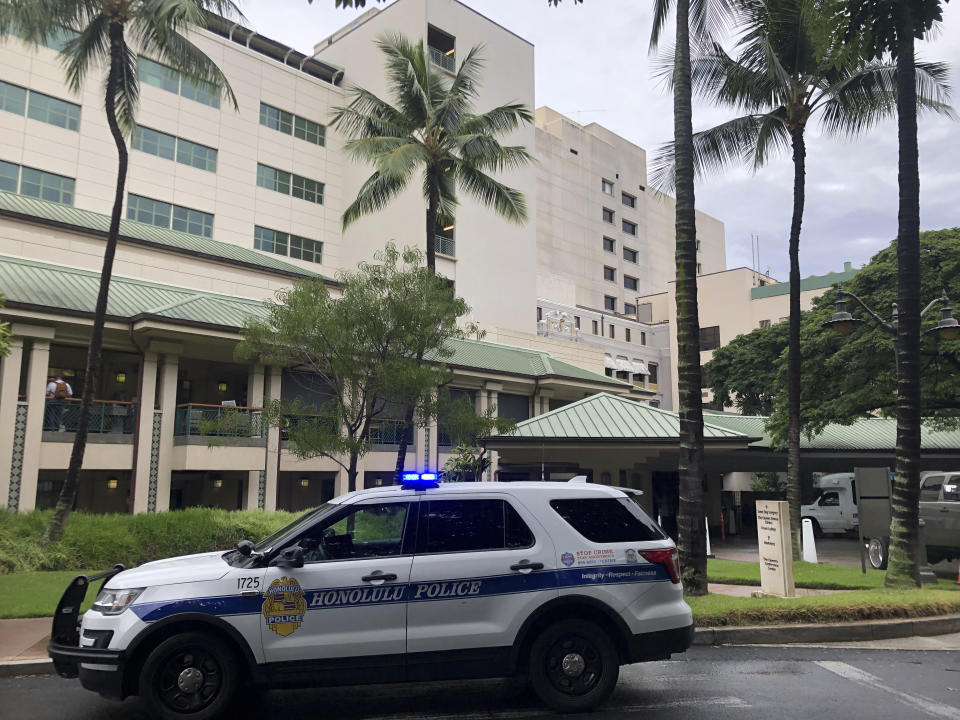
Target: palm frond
{"x": 89, "y": 47}
{"x": 486, "y": 153}
{"x": 507, "y": 201}
{"x": 369, "y": 116}
{"x": 661, "y": 12}
{"x": 498, "y": 121}
{"x": 725, "y": 81}
{"x": 411, "y": 77}
{"x": 455, "y": 105}
{"x": 127, "y": 98}
{"x": 374, "y": 195}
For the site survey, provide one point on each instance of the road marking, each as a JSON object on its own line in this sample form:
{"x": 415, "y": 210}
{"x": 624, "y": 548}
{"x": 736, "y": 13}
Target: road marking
{"x": 728, "y": 701}
{"x": 849, "y": 672}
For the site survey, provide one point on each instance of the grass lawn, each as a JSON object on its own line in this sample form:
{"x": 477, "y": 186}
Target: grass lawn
{"x": 37, "y": 594}
{"x": 808, "y": 575}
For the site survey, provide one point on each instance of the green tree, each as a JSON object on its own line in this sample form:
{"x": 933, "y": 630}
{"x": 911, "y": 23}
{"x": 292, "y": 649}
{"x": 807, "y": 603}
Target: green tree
{"x": 880, "y": 27}
{"x": 359, "y": 353}
{"x": 791, "y": 67}
{"x": 457, "y": 416}
{"x": 744, "y": 373}
{"x": 100, "y": 44}
{"x": 6, "y": 335}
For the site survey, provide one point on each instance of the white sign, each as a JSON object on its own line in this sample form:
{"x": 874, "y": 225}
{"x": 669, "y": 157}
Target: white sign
{"x": 776, "y": 555}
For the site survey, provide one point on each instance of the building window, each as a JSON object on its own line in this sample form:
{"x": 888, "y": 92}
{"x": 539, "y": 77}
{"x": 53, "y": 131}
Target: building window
{"x": 654, "y": 403}
{"x": 57, "y": 38}
{"x": 196, "y": 155}
{"x": 166, "y": 78}
{"x": 710, "y": 337}
{"x": 165, "y": 215}
{"x": 54, "y": 111}
{"x": 273, "y": 179}
{"x": 609, "y": 274}
{"x": 626, "y": 334}
{"x": 539, "y": 314}
{"x": 306, "y": 189}
{"x": 611, "y": 332}
{"x": 629, "y": 309}
{"x": 290, "y": 124}
{"x": 608, "y": 215}
{"x": 442, "y": 47}
{"x": 36, "y": 183}
{"x": 643, "y": 338}
{"x": 610, "y": 303}
{"x": 288, "y": 184}
{"x": 595, "y": 330}
{"x": 630, "y": 255}
{"x": 628, "y": 200}
{"x": 698, "y": 245}
{"x": 652, "y": 377}
{"x": 609, "y": 244}
{"x": 170, "y": 147}
{"x": 576, "y": 321}
{"x": 630, "y": 283}
{"x": 294, "y": 246}
{"x": 699, "y": 269}
{"x": 629, "y": 228}
{"x": 13, "y": 98}
{"x": 606, "y": 186}
{"x": 764, "y": 323}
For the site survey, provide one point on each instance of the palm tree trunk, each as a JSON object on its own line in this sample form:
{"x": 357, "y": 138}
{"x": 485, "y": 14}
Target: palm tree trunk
{"x": 692, "y": 544}
{"x": 68, "y": 493}
{"x": 903, "y": 565}
{"x": 404, "y": 430}
{"x": 793, "y": 366}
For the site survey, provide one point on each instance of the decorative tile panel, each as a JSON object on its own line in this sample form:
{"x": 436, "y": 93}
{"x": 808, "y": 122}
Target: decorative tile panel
{"x": 16, "y": 461}
{"x": 154, "y": 463}
{"x": 262, "y": 490}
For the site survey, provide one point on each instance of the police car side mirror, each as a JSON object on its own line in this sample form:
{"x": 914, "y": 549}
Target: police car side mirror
{"x": 245, "y": 548}
{"x": 292, "y": 557}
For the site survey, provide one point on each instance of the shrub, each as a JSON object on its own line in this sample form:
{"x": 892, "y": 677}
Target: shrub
{"x": 98, "y": 541}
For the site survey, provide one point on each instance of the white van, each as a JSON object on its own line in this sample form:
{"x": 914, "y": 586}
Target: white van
{"x": 835, "y": 510}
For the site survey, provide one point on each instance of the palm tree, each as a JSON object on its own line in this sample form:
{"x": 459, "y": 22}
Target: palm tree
{"x": 101, "y": 26}
{"x": 431, "y": 128}
{"x": 703, "y": 17}
{"x": 791, "y": 67}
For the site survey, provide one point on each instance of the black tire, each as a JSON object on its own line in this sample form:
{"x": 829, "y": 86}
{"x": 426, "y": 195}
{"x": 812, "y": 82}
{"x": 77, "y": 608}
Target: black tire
{"x": 878, "y": 550}
{"x": 190, "y": 676}
{"x": 574, "y": 666}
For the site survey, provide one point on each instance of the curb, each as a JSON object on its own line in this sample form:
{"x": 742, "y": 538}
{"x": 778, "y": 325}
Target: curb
{"x": 836, "y": 632}
{"x": 33, "y": 666}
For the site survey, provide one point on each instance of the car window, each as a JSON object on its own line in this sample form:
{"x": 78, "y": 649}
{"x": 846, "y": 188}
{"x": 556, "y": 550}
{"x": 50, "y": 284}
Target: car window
{"x": 608, "y": 519}
{"x": 830, "y": 499}
{"x": 366, "y": 531}
{"x": 951, "y": 489}
{"x": 930, "y": 492}
{"x": 470, "y": 525}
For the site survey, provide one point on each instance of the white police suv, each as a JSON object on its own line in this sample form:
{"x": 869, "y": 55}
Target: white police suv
{"x": 560, "y": 582}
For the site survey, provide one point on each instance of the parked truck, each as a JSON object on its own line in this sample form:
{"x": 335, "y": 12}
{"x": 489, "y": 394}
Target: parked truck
{"x": 835, "y": 509}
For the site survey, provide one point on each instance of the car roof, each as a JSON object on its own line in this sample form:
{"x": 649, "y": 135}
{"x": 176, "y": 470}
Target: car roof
{"x": 554, "y": 489}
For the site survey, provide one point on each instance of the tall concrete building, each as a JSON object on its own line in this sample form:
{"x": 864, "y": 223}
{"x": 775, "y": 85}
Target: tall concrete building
{"x": 224, "y": 206}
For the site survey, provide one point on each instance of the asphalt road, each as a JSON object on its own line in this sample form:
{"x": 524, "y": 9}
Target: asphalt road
{"x": 761, "y": 683}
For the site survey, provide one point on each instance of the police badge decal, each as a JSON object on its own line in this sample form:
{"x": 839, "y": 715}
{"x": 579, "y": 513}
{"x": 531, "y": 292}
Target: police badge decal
{"x": 284, "y": 606}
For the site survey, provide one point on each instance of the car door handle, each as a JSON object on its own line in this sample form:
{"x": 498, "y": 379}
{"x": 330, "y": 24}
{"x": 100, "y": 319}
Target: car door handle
{"x": 524, "y": 565}
{"x": 944, "y": 509}
{"x": 379, "y": 576}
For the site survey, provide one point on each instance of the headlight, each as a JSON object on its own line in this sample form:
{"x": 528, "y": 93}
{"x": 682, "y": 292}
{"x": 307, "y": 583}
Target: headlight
{"x": 114, "y": 602}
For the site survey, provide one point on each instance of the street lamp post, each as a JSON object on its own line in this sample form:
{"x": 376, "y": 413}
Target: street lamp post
{"x": 947, "y": 328}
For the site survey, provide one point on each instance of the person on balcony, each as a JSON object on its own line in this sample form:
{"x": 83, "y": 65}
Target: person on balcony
{"x": 58, "y": 390}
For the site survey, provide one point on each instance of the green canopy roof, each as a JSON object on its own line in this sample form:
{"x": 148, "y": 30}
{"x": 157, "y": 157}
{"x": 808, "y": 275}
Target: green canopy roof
{"x": 67, "y": 216}
{"x": 607, "y": 417}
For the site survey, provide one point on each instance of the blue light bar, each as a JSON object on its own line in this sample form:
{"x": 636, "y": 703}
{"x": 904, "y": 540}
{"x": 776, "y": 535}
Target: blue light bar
{"x": 411, "y": 476}
{"x": 420, "y": 481}
{"x": 428, "y": 476}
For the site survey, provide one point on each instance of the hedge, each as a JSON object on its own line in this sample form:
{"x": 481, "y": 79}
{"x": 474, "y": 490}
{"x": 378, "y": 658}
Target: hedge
{"x": 100, "y": 541}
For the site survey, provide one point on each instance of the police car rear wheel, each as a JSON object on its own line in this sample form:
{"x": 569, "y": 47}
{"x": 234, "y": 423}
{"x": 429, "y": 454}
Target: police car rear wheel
{"x": 191, "y": 675}
{"x": 574, "y": 666}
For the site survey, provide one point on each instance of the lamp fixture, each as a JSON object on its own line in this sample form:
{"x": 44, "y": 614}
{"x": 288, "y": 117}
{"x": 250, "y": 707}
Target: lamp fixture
{"x": 842, "y": 321}
{"x": 448, "y": 227}
{"x": 450, "y": 52}
{"x": 121, "y": 378}
{"x": 948, "y": 328}
{"x": 221, "y": 387}
{"x": 112, "y": 483}
{"x": 218, "y": 483}
{"x": 304, "y": 481}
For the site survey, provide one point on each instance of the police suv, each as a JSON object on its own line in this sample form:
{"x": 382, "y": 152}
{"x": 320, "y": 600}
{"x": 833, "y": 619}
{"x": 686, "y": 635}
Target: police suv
{"x": 559, "y": 582}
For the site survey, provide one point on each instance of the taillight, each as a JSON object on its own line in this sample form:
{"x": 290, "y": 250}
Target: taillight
{"x": 670, "y": 559}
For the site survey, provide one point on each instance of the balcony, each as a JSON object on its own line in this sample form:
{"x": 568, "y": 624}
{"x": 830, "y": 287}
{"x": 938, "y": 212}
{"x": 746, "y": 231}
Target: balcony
{"x": 389, "y": 432}
{"x": 106, "y": 417}
{"x": 217, "y": 421}
{"x": 441, "y": 58}
{"x": 444, "y": 246}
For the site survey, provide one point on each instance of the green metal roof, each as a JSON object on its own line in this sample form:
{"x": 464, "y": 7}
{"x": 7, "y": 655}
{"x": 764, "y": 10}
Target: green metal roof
{"x": 863, "y": 434}
{"x": 519, "y": 361}
{"x": 814, "y": 282}
{"x": 44, "y": 211}
{"x": 607, "y": 417}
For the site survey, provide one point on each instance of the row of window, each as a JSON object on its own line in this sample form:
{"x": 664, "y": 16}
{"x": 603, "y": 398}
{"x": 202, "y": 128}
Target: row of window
{"x": 57, "y": 39}
{"x": 291, "y": 124}
{"x": 289, "y": 184}
{"x": 610, "y": 245}
{"x": 36, "y": 183}
{"x": 609, "y": 216}
{"x": 171, "y": 147}
{"x": 167, "y": 78}
{"x": 281, "y": 243}
{"x": 629, "y": 309}
{"x": 37, "y": 106}
{"x": 629, "y": 282}
{"x": 169, "y": 216}
{"x": 652, "y": 378}
{"x": 626, "y": 198}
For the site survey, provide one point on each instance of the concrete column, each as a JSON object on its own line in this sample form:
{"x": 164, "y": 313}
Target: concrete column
{"x": 541, "y": 402}
{"x": 168, "y": 409}
{"x": 9, "y": 394}
{"x": 37, "y": 370}
{"x": 273, "y": 443}
{"x": 419, "y": 459}
{"x": 340, "y": 483}
{"x": 492, "y": 391}
{"x": 255, "y": 383}
{"x": 433, "y": 450}
{"x": 145, "y": 410}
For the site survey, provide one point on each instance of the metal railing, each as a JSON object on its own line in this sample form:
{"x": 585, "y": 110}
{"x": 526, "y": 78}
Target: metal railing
{"x": 447, "y": 62}
{"x": 444, "y": 245}
{"x": 444, "y": 439}
{"x": 217, "y": 421}
{"x": 389, "y": 432}
{"x": 106, "y": 417}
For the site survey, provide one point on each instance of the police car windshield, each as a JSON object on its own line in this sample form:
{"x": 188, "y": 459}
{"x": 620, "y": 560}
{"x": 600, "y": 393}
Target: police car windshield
{"x": 301, "y": 522}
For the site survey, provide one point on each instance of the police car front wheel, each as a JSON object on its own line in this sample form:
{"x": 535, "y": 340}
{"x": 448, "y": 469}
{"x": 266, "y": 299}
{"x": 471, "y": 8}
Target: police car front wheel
{"x": 190, "y": 675}
{"x": 574, "y": 666}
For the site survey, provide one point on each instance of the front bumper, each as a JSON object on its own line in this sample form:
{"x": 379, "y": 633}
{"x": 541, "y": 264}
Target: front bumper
{"x": 99, "y": 670}
{"x": 659, "y": 645}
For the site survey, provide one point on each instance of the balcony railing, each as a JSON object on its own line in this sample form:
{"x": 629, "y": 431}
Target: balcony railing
{"x": 217, "y": 421}
{"x": 106, "y": 417}
{"x": 447, "y": 62}
{"x": 444, "y": 245}
{"x": 389, "y": 432}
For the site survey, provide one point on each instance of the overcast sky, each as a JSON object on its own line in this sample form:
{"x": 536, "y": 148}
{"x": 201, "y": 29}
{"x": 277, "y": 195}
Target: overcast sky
{"x": 592, "y": 64}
